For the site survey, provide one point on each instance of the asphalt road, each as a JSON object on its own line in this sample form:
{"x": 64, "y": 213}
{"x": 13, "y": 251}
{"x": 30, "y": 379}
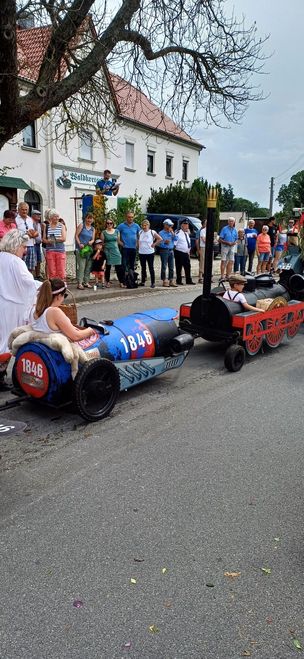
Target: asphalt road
{"x": 196, "y": 474}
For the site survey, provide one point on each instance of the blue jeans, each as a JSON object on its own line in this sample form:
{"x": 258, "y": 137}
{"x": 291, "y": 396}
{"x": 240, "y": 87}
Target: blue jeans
{"x": 128, "y": 258}
{"x": 167, "y": 260}
{"x": 239, "y": 263}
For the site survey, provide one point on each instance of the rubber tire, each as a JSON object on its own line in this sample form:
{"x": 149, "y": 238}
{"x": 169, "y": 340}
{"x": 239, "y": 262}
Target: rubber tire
{"x": 234, "y": 358}
{"x": 87, "y": 379}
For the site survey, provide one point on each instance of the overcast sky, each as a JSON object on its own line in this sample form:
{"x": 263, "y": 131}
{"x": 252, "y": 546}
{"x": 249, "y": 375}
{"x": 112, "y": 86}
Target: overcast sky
{"x": 270, "y": 139}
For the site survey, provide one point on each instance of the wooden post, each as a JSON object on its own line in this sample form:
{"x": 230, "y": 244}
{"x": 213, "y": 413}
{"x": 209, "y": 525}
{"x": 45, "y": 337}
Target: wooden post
{"x": 211, "y": 210}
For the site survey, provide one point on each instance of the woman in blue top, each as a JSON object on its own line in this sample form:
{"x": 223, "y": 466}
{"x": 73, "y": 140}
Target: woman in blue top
{"x": 85, "y": 235}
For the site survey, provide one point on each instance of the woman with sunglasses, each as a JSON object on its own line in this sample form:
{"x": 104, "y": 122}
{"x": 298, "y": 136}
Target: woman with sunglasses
{"x": 49, "y": 318}
{"x": 111, "y": 238}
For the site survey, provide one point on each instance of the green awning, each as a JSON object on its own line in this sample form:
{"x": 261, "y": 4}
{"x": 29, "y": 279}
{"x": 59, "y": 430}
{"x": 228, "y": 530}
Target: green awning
{"x": 10, "y": 182}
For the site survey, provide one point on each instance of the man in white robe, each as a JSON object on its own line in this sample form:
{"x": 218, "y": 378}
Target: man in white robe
{"x": 17, "y": 289}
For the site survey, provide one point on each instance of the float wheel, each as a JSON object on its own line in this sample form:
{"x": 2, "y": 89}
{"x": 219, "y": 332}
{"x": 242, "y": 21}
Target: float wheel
{"x": 293, "y": 329}
{"x": 234, "y": 358}
{"x": 253, "y": 345}
{"x": 96, "y": 389}
{"x": 274, "y": 337}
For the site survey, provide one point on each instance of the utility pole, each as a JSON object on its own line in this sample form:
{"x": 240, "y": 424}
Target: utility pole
{"x": 271, "y": 196}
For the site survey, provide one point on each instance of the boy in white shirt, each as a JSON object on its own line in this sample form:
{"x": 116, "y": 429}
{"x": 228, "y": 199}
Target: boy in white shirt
{"x": 237, "y": 283}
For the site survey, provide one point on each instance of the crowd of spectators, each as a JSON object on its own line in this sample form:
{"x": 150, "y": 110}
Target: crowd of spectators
{"x": 129, "y": 245}
{"x": 28, "y": 240}
{"x": 238, "y": 248}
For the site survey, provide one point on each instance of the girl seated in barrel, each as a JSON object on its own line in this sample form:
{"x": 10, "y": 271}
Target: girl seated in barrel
{"x": 49, "y": 318}
{"x": 235, "y": 294}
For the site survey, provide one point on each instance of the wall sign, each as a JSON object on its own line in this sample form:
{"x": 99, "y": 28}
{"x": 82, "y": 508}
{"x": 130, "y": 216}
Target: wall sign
{"x": 65, "y": 179}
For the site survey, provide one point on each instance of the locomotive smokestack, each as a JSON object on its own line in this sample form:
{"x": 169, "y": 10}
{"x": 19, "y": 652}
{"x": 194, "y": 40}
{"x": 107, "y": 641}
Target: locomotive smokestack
{"x": 211, "y": 210}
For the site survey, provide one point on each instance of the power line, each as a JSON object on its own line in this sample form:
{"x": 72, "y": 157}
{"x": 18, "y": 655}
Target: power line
{"x": 288, "y": 168}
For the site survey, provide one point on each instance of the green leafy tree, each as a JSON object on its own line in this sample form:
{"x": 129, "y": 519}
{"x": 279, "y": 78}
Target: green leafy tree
{"x": 226, "y": 199}
{"x": 178, "y": 199}
{"x": 172, "y": 199}
{"x": 125, "y": 204}
{"x": 252, "y": 208}
{"x": 292, "y": 195}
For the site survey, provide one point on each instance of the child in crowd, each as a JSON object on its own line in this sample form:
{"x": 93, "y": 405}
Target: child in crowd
{"x": 241, "y": 252}
{"x": 235, "y": 294}
{"x": 98, "y": 263}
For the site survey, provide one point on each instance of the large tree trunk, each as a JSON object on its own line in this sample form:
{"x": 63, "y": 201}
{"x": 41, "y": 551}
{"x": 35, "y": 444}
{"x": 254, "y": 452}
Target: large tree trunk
{"x": 9, "y": 88}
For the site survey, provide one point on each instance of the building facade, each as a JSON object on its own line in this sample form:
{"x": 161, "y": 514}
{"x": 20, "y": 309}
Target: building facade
{"x": 149, "y": 151}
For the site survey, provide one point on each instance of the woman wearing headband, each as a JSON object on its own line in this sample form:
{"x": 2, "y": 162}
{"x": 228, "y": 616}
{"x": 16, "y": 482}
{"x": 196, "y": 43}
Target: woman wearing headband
{"x": 49, "y": 318}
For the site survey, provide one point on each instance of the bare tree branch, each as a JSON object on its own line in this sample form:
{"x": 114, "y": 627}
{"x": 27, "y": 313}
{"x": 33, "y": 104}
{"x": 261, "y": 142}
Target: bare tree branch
{"x": 188, "y": 56}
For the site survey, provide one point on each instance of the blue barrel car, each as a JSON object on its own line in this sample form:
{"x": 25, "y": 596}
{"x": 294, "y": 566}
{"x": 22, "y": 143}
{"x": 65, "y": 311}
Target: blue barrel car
{"x": 121, "y": 354}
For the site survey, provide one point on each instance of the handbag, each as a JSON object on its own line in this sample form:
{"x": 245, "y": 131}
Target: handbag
{"x": 85, "y": 251}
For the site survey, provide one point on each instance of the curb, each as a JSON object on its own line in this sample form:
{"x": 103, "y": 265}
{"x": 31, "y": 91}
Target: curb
{"x": 106, "y": 294}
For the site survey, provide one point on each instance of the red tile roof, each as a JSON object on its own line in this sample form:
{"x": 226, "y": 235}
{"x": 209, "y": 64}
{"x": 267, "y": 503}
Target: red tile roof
{"x": 136, "y": 106}
{"x": 132, "y": 104}
{"x": 31, "y": 45}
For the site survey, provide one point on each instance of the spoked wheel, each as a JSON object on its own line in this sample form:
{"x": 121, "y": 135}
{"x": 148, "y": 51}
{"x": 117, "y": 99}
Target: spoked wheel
{"x": 292, "y": 330}
{"x": 276, "y": 332}
{"x": 96, "y": 389}
{"x": 234, "y": 358}
{"x": 253, "y": 345}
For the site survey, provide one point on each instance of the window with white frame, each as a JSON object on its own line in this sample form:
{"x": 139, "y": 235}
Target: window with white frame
{"x": 150, "y": 162}
{"x": 86, "y": 145}
{"x": 169, "y": 166}
{"x": 29, "y": 135}
{"x": 130, "y": 155}
{"x": 185, "y": 169}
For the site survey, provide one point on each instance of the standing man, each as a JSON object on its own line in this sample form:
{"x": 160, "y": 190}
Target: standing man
{"x": 25, "y": 224}
{"x": 272, "y": 233}
{"x": 128, "y": 232}
{"x": 106, "y": 185}
{"x": 182, "y": 254}
{"x": 166, "y": 252}
{"x": 200, "y": 248}
{"x": 251, "y": 235}
{"x": 228, "y": 238}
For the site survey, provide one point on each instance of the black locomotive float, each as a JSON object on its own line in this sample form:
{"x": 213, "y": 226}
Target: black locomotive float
{"x": 214, "y": 318}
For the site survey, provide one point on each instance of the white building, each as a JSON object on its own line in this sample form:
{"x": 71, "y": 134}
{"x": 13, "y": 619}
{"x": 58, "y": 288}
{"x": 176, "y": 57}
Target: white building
{"x": 150, "y": 151}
